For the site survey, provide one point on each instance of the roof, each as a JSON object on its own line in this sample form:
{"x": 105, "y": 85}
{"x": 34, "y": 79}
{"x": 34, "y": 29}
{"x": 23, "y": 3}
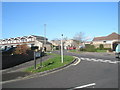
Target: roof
{"x": 37, "y": 37}
{"x": 46, "y": 42}
{"x": 113, "y": 36}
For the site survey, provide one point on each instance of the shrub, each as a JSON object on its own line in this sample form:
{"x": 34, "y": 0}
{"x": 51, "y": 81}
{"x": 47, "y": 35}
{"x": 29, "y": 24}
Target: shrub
{"x": 21, "y": 49}
{"x": 82, "y": 49}
{"x": 90, "y": 48}
{"x": 101, "y": 47}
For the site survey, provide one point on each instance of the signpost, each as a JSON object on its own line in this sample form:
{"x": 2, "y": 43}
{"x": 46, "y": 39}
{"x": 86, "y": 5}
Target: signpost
{"x": 34, "y": 60}
{"x": 62, "y": 49}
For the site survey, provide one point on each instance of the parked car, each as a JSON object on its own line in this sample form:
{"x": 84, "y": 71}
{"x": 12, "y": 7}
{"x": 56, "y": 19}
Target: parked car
{"x": 117, "y": 51}
{"x": 71, "y": 48}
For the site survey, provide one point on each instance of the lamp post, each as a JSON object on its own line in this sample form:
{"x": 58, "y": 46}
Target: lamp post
{"x": 61, "y": 48}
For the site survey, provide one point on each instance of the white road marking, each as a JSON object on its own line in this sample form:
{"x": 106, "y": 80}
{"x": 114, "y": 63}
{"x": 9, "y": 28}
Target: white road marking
{"x": 77, "y": 61}
{"x": 118, "y": 61}
{"x": 84, "y": 86}
{"x": 100, "y": 60}
{"x": 112, "y": 62}
{"x": 95, "y": 60}
{"x": 88, "y": 59}
{"x": 104, "y": 61}
{"x": 92, "y": 59}
{"x": 82, "y": 58}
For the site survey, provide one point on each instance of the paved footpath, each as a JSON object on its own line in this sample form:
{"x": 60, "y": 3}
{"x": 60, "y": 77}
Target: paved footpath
{"x": 17, "y": 71}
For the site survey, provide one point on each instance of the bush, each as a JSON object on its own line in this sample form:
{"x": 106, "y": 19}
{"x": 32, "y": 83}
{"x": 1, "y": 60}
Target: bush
{"x": 101, "y": 47}
{"x": 21, "y": 49}
{"x": 82, "y": 49}
{"x": 90, "y": 48}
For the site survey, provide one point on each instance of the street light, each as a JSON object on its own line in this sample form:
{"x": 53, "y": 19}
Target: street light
{"x": 61, "y": 48}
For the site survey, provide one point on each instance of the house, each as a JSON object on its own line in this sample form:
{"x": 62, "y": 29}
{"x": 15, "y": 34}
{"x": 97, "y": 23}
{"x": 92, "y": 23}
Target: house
{"x": 55, "y": 42}
{"x": 71, "y": 43}
{"x": 109, "y": 41}
{"x": 31, "y": 40}
{"x": 66, "y": 43}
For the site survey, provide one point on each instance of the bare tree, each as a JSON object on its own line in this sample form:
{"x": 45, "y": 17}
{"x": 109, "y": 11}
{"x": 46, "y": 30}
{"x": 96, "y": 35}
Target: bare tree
{"x": 65, "y": 38}
{"x": 79, "y": 37}
{"x": 55, "y": 39}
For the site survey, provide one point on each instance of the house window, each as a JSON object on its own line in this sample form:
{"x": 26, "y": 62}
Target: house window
{"x": 25, "y": 40}
{"x": 22, "y": 40}
{"x": 104, "y": 41}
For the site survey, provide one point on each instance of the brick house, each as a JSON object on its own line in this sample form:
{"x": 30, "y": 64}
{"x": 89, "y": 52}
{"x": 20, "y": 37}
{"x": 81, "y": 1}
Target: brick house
{"x": 109, "y": 41}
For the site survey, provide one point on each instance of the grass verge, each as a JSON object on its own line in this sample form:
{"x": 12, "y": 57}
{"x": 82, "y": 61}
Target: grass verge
{"x": 51, "y": 63}
{"x": 101, "y": 50}
{"x": 76, "y": 51}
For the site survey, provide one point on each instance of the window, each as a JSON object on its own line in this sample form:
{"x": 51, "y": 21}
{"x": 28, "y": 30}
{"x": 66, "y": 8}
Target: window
{"x": 104, "y": 41}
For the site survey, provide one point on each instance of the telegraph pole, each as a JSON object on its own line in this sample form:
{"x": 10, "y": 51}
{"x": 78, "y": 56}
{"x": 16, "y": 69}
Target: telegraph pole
{"x": 61, "y": 48}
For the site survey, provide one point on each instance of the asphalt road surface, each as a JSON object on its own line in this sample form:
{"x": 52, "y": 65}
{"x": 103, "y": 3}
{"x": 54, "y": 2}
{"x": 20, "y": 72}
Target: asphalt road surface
{"x": 95, "y": 70}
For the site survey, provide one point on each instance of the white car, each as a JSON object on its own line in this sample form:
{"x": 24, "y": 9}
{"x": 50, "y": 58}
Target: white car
{"x": 117, "y": 51}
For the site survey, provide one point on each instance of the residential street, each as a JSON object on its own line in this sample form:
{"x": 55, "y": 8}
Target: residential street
{"x": 98, "y": 68}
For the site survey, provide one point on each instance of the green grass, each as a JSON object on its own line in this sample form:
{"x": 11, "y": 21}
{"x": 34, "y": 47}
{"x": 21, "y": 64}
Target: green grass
{"x": 75, "y": 51}
{"x": 101, "y": 51}
{"x": 51, "y": 63}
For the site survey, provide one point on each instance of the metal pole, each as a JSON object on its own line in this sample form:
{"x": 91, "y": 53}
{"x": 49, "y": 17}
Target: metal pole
{"x": 44, "y": 35}
{"x": 41, "y": 59}
{"x": 34, "y": 61}
{"x": 62, "y": 49}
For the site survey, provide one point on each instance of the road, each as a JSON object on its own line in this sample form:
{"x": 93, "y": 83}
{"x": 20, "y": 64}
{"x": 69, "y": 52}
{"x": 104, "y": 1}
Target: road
{"x": 88, "y": 71}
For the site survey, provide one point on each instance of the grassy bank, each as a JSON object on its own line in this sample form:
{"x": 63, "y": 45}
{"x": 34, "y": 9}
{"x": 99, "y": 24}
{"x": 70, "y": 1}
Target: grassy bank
{"x": 77, "y": 51}
{"x": 51, "y": 63}
{"x": 101, "y": 51}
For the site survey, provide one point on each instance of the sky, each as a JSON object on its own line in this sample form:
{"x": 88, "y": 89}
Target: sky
{"x": 94, "y": 19}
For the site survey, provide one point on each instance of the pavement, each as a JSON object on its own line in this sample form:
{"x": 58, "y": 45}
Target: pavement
{"x": 16, "y": 72}
{"x": 93, "y": 71}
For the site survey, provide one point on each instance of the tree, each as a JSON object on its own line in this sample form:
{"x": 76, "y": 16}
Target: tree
{"x": 65, "y": 38}
{"x": 21, "y": 49}
{"x": 79, "y": 37}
